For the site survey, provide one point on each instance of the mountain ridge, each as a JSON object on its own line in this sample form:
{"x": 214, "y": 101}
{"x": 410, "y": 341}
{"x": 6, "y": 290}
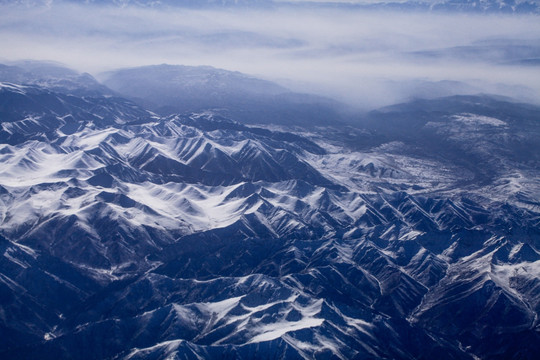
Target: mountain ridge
{"x": 130, "y": 235}
{"x": 170, "y": 89}
{"x": 459, "y": 6}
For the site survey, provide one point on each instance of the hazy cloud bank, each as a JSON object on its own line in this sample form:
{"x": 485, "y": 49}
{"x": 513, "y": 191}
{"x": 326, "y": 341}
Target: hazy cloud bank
{"x": 366, "y": 58}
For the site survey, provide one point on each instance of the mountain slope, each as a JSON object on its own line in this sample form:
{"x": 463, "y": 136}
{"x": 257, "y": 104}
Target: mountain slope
{"x": 128, "y": 235}
{"x": 171, "y": 89}
{"x": 52, "y": 76}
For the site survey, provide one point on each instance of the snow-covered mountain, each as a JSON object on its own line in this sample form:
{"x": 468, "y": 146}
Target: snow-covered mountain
{"x": 469, "y": 6}
{"x": 52, "y": 76}
{"x": 128, "y": 235}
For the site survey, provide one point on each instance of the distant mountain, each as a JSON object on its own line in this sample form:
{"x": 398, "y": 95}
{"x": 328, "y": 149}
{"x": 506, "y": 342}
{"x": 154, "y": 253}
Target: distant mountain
{"x": 128, "y": 235}
{"x": 148, "y": 3}
{"x": 502, "y": 131}
{"x": 469, "y": 6}
{"x": 496, "y": 6}
{"x": 170, "y": 89}
{"x": 53, "y": 76}
{"x": 184, "y": 88}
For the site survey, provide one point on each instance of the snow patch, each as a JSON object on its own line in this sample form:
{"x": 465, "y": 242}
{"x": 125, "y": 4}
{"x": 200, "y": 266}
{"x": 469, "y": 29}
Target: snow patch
{"x": 473, "y": 119}
{"x": 273, "y": 331}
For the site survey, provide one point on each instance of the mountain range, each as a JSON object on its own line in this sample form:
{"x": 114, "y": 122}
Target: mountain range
{"x": 470, "y": 6}
{"x": 133, "y": 226}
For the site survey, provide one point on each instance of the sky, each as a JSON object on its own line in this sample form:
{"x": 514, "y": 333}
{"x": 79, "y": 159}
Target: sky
{"x": 364, "y": 58}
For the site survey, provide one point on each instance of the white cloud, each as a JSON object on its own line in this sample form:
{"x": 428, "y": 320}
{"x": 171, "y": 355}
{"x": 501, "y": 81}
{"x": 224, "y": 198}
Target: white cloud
{"x": 352, "y": 54}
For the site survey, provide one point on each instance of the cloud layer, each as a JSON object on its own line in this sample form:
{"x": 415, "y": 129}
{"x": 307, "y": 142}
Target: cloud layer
{"x": 366, "y": 58}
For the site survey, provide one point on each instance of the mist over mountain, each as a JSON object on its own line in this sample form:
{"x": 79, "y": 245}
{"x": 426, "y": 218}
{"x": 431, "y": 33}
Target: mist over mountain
{"x": 298, "y": 179}
{"x": 168, "y": 89}
{"x": 364, "y": 54}
{"x": 412, "y": 232}
{"x": 53, "y": 76}
{"x": 474, "y": 6}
